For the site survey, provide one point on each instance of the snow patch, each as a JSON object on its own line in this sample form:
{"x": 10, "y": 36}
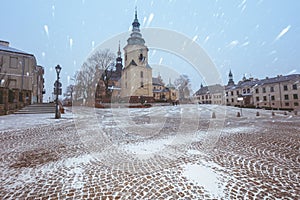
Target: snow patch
{"x": 148, "y": 147}
{"x": 206, "y": 177}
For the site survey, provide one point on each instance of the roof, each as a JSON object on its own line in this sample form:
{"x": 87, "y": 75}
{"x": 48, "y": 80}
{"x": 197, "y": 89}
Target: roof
{"x": 210, "y": 89}
{"x": 171, "y": 86}
{"x": 157, "y": 81}
{"x": 13, "y": 50}
{"x": 162, "y": 90}
{"x": 255, "y": 82}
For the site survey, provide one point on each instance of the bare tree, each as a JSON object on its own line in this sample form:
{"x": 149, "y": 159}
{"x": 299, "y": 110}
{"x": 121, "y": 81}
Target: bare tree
{"x": 69, "y": 93}
{"x": 97, "y": 67}
{"x": 184, "y": 87}
{"x": 104, "y": 64}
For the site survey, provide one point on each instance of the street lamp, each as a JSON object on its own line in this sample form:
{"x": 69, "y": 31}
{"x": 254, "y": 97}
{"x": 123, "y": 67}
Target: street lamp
{"x": 57, "y": 86}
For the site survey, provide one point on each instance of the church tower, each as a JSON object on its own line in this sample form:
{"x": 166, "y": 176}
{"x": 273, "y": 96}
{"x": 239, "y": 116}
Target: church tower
{"x": 137, "y": 73}
{"x": 230, "y": 81}
{"x": 119, "y": 65}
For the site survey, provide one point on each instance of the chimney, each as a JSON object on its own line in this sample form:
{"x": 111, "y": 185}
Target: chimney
{"x": 4, "y": 43}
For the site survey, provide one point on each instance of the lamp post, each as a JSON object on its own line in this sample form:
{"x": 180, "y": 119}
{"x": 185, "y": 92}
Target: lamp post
{"x": 57, "y": 86}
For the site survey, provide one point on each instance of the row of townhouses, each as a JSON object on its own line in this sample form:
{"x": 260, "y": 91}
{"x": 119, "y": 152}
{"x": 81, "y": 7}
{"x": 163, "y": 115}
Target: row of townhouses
{"x": 280, "y": 92}
{"x": 21, "y": 79}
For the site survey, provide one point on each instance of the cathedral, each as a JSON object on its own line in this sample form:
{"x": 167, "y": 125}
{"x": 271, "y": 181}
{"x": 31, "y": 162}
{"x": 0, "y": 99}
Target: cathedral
{"x": 133, "y": 82}
{"x": 136, "y": 79}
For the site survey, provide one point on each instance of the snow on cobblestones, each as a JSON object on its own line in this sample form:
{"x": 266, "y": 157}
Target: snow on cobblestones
{"x": 206, "y": 177}
{"x": 96, "y": 154}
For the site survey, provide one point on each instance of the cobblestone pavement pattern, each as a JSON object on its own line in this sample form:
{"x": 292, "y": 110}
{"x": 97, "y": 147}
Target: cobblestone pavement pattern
{"x": 253, "y": 158}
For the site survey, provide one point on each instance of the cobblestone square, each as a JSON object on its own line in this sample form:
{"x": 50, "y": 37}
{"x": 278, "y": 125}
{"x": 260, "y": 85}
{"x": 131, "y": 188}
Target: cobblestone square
{"x": 170, "y": 152}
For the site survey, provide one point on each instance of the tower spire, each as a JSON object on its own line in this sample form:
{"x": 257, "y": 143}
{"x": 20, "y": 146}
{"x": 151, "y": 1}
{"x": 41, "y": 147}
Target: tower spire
{"x": 136, "y": 36}
{"x": 135, "y": 12}
{"x": 135, "y": 24}
{"x": 119, "y": 50}
{"x": 230, "y": 77}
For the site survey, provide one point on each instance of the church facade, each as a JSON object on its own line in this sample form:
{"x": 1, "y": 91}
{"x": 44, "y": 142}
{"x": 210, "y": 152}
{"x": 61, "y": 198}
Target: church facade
{"x": 134, "y": 82}
{"x": 136, "y": 79}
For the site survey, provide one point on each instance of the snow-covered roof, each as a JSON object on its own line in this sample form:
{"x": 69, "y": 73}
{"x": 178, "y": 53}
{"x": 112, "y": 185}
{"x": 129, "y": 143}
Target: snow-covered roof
{"x": 210, "y": 89}
{"x": 12, "y": 50}
{"x": 256, "y": 82}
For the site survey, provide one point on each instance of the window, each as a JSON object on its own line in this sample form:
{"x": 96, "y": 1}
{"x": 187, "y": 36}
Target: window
{"x": 286, "y": 97}
{"x": 226, "y": 94}
{"x": 264, "y": 90}
{"x": 272, "y": 98}
{"x": 237, "y": 92}
{"x": 142, "y": 84}
{"x": 13, "y": 62}
{"x": 231, "y": 93}
{"x": 232, "y": 100}
{"x": 271, "y": 89}
{"x": 295, "y": 96}
{"x": 142, "y": 74}
{"x": 256, "y": 91}
{"x": 296, "y": 104}
{"x": 265, "y": 98}
{"x": 11, "y": 96}
{"x": 295, "y": 87}
{"x": 285, "y": 87}
{"x": 248, "y": 90}
{"x": 1, "y": 97}
{"x": 257, "y": 98}
{"x": 287, "y": 104}
{"x": 244, "y": 91}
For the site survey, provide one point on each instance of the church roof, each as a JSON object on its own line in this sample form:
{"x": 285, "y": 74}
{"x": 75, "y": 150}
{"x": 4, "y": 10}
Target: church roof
{"x": 136, "y": 37}
{"x": 132, "y": 63}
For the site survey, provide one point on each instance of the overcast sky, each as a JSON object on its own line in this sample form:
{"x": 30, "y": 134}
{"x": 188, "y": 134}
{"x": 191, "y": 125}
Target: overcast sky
{"x": 257, "y": 38}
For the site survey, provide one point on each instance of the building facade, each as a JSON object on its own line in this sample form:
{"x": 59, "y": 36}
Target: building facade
{"x": 213, "y": 94}
{"x": 280, "y": 92}
{"x": 162, "y": 92}
{"x": 21, "y": 79}
{"x": 136, "y": 78}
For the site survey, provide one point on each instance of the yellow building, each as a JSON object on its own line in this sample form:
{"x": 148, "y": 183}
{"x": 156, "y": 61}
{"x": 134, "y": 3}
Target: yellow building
{"x": 136, "y": 78}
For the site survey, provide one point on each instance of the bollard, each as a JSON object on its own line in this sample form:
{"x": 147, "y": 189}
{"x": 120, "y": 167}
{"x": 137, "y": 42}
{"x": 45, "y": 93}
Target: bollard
{"x": 257, "y": 113}
{"x": 285, "y": 113}
{"x": 213, "y": 115}
{"x": 273, "y": 114}
{"x": 238, "y": 114}
{"x": 296, "y": 112}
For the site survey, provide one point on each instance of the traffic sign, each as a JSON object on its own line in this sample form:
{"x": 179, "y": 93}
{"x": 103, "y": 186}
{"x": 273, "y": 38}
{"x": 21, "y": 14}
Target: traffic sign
{"x": 59, "y": 91}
